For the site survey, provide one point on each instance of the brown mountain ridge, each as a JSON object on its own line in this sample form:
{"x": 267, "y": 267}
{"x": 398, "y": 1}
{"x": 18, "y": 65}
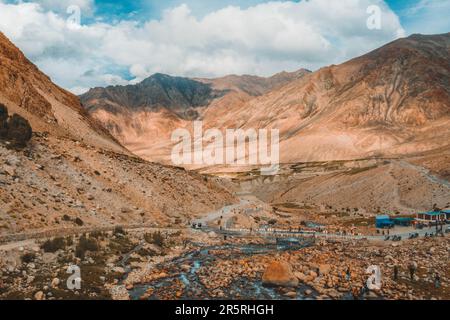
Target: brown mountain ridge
{"x": 73, "y": 174}
{"x": 392, "y": 101}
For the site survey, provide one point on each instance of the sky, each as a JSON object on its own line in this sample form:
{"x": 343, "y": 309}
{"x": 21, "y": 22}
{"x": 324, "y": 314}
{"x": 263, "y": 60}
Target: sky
{"x": 82, "y": 44}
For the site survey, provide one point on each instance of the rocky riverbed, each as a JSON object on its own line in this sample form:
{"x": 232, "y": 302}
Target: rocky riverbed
{"x": 145, "y": 264}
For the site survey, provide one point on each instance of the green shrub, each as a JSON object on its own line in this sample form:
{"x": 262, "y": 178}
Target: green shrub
{"x": 85, "y": 244}
{"x": 54, "y": 245}
{"x": 118, "y": 230}
{"x": 69, "y": 241}
{"x": 96, "y": 234}
{"x": 155, "y": 238}
{"x": 28, "y": 257}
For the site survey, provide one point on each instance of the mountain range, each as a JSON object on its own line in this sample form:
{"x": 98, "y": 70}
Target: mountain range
{"x": 394, "y": 101}
{"x": 371, "y": 133}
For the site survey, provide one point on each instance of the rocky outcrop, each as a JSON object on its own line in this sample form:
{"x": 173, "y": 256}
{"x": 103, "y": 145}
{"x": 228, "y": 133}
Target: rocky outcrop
{"x": 15, "y": 129}
{"x": 3, "y": 121}
{"x": 279, "y": 274}
{"x": 19, "y": 131}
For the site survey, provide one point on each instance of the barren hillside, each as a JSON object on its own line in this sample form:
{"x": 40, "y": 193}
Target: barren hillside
{"x": 73, "y": 173}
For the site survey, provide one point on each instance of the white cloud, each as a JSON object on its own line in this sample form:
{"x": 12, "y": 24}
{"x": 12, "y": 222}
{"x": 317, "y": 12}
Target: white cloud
{"x": 61, "y": 6}
{"x": 263, "y": 39}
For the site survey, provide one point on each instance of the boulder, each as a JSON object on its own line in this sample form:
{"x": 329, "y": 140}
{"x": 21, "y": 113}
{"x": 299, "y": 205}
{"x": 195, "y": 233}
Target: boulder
{"x": 3, "y": 121}
{"x": 324, "y": 269}
{"x": 39, "y": 295}
{"x": 279, "y": 274}
{"x": 19, "y": 130}
{"x": 118, "y": 270}
{"x": 125, "y": 210}
{"x": 291, "y": 294}
{"x": 9, "y": 170}
{"x": 55, "y": 283}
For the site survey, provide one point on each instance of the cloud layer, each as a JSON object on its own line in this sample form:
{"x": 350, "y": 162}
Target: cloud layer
{"x": 262, "y": 39}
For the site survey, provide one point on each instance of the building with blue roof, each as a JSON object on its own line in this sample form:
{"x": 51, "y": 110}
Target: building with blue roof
{"x": 383, "y": 222}
{"x": 431, "y": 216}
{"x": 447, "y": 214}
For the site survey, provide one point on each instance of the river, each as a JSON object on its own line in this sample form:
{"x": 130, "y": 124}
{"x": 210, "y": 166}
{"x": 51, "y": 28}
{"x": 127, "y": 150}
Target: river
{"x": 242, "y": 288}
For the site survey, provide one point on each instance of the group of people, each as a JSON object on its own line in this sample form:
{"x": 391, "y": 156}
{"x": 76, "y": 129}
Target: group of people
{"x": 412, "y": 267}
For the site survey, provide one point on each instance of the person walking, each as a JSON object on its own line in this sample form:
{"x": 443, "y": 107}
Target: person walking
{"x": 437, "y": 281}
{"x": 412, "y": 269}
{"x": 395, "y": 272}
{"x": 355, "y": 293}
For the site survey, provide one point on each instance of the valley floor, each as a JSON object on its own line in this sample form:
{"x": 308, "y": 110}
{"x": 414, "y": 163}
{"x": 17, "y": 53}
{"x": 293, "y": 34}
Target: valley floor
{"x": 139, "y": 230}
{"x": 216, "y": 262}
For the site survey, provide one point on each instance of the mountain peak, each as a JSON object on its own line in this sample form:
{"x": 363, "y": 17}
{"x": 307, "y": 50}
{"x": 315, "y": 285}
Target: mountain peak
{"x": 175, "y": 94}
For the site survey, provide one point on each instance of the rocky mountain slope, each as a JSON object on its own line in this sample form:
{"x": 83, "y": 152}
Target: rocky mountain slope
{"x": 176, "y": 94}
{"x": 392, "y": 101}
{"x": 28, "y": 92}
{"x": 74, "y": 174}
{"x": 136, "y": 114}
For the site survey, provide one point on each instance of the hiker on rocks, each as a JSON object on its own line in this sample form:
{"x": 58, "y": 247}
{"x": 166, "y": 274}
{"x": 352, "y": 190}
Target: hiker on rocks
{"x": 437, "y": 281}
{"x": 348, "y": 274}
{"x": 355, "y": 293}
{"x": 395, "y": 273}
{"x": 412, "y": 269}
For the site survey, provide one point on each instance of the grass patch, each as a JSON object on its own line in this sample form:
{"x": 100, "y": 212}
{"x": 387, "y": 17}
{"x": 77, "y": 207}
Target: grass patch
{"x": 51, "y": 246}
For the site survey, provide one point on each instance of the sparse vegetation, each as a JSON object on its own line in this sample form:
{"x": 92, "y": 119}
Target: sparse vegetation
{"x": 28, "y": 257}
{"x": 53, "y": 245}
{"x": 119, "y": 231}
{"x": 155, "y": 238}
{"x": 85, "y": 244}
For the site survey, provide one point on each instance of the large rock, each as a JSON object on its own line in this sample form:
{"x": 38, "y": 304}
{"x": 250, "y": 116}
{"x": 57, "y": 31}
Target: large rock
{"x": 3, "y": 121}
{"x": 39, "y": 295}
{"x": 324, "y": 269}
{"x": 279, "y": 274}
{"x": 19, "y": 130}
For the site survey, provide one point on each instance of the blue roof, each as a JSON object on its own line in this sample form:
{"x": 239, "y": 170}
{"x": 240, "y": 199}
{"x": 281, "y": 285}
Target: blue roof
{"x": 403, "y": 219}
{"x": 383, "y": 218}
{"x": 446, "y": 211}
{"x": 432, "y": 213}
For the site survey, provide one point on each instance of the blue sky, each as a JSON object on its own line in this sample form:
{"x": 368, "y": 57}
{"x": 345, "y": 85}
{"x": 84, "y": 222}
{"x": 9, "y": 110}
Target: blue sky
{"x": 121, "y": 42}
{"x": 423, "y": 16}
{"x": 415, "y": 15}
